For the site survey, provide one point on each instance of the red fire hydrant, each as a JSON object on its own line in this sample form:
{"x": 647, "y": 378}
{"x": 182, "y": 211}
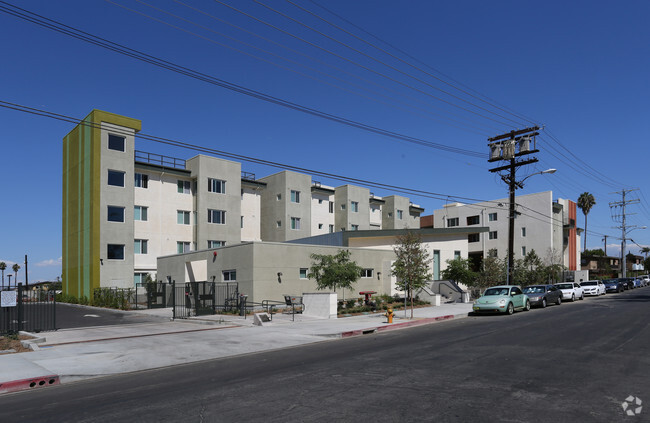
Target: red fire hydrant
{"x": 389, "y": 315}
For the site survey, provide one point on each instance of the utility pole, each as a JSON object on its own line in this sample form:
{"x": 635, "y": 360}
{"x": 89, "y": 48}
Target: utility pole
{"x": 605, "y": 239}
{"x": 508, "y": 147}
{"x": 625, "y": 229}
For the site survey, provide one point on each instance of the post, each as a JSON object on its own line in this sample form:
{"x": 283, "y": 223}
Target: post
{"x": 20, "y": 308}
{"x": 173, "y": 298}
{"x": 26, "y": 280}
{"x": 511, "y": 223}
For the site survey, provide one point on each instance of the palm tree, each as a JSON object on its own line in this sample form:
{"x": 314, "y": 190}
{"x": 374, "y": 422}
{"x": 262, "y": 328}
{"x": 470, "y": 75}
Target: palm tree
{"x": 15, "y": 268}
{"x": 585, "y": 202}
{"x": 3, "y": 266}
{"x": 644, "y": 250}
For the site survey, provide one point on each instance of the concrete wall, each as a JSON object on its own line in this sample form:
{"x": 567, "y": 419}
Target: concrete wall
{"x": 321, "y": 218}
{"x": 395, "y": 206}
{"x": 258, "y": 263}
{"x": 344, "y": 216}
{"x": 251, "y": 210}
{"x": 278, "y": 209}
{"x": 204, "y": 168}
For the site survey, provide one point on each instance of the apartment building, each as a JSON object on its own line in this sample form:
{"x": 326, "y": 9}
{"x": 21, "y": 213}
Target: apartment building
{"x": 123, "y": 208}
{"x": 541, "y": 224}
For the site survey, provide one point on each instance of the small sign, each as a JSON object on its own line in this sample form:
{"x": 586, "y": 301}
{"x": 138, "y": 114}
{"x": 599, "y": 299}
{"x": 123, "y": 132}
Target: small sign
{"x": 8, "y": 298}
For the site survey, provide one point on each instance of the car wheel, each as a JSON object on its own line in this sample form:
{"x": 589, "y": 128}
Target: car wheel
{"x": 527, "y": 306}
{"x": 559, "y": 301}
{"x": 582, "y": 296}
{"x": 543, "y": 302}
{"x": 511, "y": 309}
{"x": 573, "y": 297}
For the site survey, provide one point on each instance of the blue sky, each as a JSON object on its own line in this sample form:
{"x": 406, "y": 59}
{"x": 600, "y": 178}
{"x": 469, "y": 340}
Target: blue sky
{"x": 578, "y": 68}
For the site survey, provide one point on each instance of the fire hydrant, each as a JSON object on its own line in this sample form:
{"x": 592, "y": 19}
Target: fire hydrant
{"x": 389, "y": 315}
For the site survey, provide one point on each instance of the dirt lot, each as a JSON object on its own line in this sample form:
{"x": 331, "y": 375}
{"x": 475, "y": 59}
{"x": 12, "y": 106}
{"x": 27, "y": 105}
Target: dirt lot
{"x": 13, "y": 343}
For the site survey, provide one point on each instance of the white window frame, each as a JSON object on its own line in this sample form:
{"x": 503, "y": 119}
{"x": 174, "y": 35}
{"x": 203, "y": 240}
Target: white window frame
{"x": 141, "y": 180}
{"x": 185, "y": 219}
{"x": 217, "y": 217}
{"x": 218, "y": 186}
{"x": 295, "y": 223}
{"x": 115, "y": 172}
{"x": 229, "y": 275}
{"x": 144, "y": 211}
{"x": 140, "y": 246}
{"x": 295, "y": 196}
{"x": 183, "y": 187}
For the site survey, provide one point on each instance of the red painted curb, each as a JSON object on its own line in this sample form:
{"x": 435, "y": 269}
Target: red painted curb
{"x": 32, "y": 383}
{"x": 396, "y": 326}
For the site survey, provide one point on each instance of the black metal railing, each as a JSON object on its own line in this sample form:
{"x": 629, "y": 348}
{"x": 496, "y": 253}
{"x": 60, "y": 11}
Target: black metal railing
{"x": 203, "y": 298}
{"x": 31, "y": 310}
{"x": 150, "y": 295}
{"x": 157, "y": 159}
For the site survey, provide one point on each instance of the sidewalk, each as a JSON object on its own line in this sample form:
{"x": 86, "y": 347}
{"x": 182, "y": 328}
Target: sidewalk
{"x": 74, "y": 354}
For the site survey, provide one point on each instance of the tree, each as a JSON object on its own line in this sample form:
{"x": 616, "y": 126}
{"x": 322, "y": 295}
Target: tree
{"x": 493, "y": 272}
{"x": 412, "y": 265}
{"x": 3, "y": 266}
{"x": 334, "y": 271}
{"x": 595, "y": 252}
{"x": 16, "y": 267}
{"x": 585, "y": 202}
{"x": 645, "y": 250}
{"x": 534, "y": 269}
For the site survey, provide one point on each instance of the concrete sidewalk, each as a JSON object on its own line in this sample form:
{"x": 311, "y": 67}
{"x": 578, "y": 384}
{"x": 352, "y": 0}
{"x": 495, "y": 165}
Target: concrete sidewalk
{"x": 74, "y": 354}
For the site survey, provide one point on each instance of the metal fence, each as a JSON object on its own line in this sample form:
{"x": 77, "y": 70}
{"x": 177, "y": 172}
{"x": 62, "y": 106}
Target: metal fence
{"x": 31, "y": 310}
{"x": 203, "y": 298}
{"x": 151, "y": 295}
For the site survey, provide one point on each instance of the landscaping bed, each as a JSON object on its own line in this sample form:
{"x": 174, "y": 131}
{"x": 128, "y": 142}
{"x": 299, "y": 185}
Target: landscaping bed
{"x": 12, "y": 342}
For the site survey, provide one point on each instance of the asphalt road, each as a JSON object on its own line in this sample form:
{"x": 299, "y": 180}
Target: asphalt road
{"x": 576, "y": 362}
{"x": 73, "y": 316}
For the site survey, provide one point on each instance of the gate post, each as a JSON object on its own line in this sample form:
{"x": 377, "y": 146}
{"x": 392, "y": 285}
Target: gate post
{"x": 20, "y": 308}
{"x": 173, "y": 299}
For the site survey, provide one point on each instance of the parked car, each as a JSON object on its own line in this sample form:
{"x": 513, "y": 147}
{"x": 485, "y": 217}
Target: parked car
{"x": 645, "y": 279}
{"x": 501, "y": 299}
{"x": 614, "y": 285}
{"x": 637, "y": 283}
{"x": 541, "y": 295}
{"x": 593, "y": 287}
{"x": 571, "y": 291}
{"x": 628, "y": 282}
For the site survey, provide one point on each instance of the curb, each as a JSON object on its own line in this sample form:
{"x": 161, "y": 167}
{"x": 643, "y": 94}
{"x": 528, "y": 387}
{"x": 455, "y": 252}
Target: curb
{"x": 32, "y": 383}
{"x": 401, "y": 325}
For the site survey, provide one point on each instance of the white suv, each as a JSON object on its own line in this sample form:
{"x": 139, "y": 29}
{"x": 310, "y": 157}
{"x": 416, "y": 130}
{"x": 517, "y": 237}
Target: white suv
{"x": 571, "y": 291}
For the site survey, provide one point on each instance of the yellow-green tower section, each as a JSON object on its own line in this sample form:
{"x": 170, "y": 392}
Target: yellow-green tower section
{"x": 82, "y": 190}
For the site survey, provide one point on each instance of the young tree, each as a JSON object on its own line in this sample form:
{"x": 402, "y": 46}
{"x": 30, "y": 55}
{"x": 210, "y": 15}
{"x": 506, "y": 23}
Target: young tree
{"x": 412, "y": 265}
{"x": 534, "y": 269}
{"x": 334, "y": 271}
{"x": 458, "y": 271}
{"x": 493, "y": 272}
{"x": 585, "y": 202}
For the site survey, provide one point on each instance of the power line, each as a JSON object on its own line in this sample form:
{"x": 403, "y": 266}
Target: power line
{"x": 135, "y": 54}
{"x": 243, "y": 158}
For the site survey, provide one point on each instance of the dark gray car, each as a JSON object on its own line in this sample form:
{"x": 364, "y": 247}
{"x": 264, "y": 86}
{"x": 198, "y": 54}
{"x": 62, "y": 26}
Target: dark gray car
{"x": 541, "y": 295}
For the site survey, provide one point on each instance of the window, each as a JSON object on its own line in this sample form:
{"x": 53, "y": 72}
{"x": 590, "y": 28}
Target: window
{"x": 140, "y": 246}
{"x": 116, "y": 178}
{"x": 320, "y": 201}
{"x": 183, "y": 187}
{"x": 295, "y": 223}
{"x": 115, "y": 142}
{"x": 303, "y": 273}
{"x": 456, "y": 255}
{"x": 216, "y": 244}
{"x": 354, "y": 206}
{"x": 115, "y": 252}
{"x": 342, "y": 206}
{"x": 354, "y": 227}
{"x": 278, "y": 224}
{"x": 523, "y": 251}
{"x": 366, "y": 273}
{"x": 229, "y": 275}
{"x": 473, "y": 220}
{"x": 182, "y": 217}
{"x": 140, "y": 213}
{"x": 139, "y": 278}
{"x": 331, "y": 228}
{"x": 115, "y": 214}
{"x": 331, "y": 206}
{"x": 182, "y": 247}
{"x": 141, "y": 180}
{"x": 241, "y": 222}
{"x": 295, "y": 196}
{"x": 400, "y": 214}
{"x": 320, "y": 226}
{"x": 452, "y": 221}
{"x": 217, "y": 186}
{"x": 473, "y": 238}
{"x": 523, "y": 232}
{"x": 390, "y": 214}
{"x": 492, "y": 217}
{"x": 217, "y": 217}
{"x": 493, "y": 235}
{"x": 278, "y": 197}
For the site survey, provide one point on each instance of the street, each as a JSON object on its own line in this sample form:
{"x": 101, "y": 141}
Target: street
{"x": 573, "y": 362}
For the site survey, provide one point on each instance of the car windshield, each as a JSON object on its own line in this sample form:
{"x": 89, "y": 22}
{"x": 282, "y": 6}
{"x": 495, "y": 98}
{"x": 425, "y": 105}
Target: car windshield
{"x": 565, "y": 286}
{"x": 496, "y": 291}
{"x": 588, "y": 283}
{"x": 534, "y": 290}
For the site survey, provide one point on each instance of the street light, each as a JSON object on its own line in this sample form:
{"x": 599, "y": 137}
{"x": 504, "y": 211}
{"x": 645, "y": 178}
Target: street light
{"x": 513, "y": 185}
